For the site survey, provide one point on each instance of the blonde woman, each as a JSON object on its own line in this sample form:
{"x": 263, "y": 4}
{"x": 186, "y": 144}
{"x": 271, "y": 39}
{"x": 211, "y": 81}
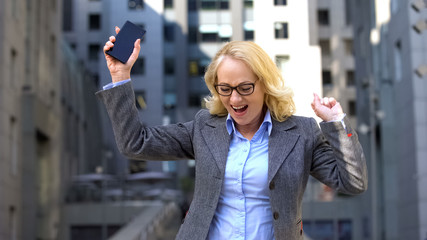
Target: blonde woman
{"x": 253, "y": 156}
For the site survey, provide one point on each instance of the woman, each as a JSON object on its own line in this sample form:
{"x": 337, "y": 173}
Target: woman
{"x": 253, "y": 157}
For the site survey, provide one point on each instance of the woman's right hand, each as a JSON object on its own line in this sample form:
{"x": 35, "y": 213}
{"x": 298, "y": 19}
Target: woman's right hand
{"x": 118, "y": 70}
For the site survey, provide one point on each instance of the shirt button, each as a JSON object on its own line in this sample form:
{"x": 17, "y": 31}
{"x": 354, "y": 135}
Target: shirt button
{"x": 272, "y": 185}
{"x": 276, "y": 215}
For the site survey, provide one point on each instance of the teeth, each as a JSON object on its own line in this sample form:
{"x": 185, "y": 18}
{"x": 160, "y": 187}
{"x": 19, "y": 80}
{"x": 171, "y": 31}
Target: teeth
{"x": 237, "y": 108}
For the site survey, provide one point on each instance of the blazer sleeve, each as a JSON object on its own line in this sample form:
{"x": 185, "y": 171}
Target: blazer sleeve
{"x": 136, "y": 141}
{"x": 338, "y": 158}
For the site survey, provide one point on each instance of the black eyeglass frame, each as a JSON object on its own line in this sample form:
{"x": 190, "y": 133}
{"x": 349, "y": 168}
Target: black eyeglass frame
{"x": 235, "y": 88}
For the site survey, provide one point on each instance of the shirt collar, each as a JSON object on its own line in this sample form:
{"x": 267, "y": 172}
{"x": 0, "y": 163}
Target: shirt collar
{"x": 267, "y": 121}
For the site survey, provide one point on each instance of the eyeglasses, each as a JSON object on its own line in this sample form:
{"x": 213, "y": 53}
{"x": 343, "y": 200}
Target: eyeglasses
{"x": 243, "y": 89}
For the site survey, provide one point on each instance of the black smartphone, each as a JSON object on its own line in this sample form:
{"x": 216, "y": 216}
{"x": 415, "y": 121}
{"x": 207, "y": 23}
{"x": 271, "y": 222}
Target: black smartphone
{"x": 125, "y": 40}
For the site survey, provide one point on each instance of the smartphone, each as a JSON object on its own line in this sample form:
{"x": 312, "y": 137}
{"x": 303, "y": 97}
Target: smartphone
{"x": 125, "y": 40}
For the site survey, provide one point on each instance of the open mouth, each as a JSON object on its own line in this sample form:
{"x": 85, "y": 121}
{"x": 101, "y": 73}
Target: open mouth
{"x": 240, "y": 109}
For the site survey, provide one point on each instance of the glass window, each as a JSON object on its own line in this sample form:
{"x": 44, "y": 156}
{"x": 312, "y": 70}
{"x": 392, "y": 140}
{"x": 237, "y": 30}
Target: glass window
{"x": 193, "y": 33}
{"x": 281, "y": 30}
{"x": 136, "y": 4}
{"x": 139, "y": 67}
{"x": 323, "y": 17}
{"x": 344, "y": 230}
{"x": 168, "y": 31}
{"x": 326, "y": 78}
{"x": 195, "y": 100}
{"x": 323, "y": 229}
{"x": 325, "y": 46}
{"x": 94, "y": 51}
{"x": 249, "y": 35}
{"x": 209, "y": 37}
{"x": 350, "y": 78}
{"x": 193, "y": 68}
{"x": 348, "y": 12}
{"x": 192, "y": 5}
{"x": 398, "y": 61}
{"x": 348, "y": 46}
{"x": 208, "y": 4}
{"x": 140, "y": 99}
{"x": 280, "y": 2}
{"x": 94, "y": 21}
{"x": 248, "y": 3}
{"x": 281, "y": 62}
{"x": 352, "y": 108}
{"x": 224, "y": 4}
{"x": 67, "y": 18}
{"x": 169, "y": 66}
{"x": 168, "y": 4}
{"x": 136, "y": 166}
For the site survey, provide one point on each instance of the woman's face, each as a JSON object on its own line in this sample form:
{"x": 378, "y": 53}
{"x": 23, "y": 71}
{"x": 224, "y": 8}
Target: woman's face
{"x": 245, "y": 110}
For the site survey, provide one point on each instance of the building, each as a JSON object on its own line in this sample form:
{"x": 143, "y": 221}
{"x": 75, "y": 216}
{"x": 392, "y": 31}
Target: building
{"x": 391, "y": 86}
{"x": 30, "y": 129}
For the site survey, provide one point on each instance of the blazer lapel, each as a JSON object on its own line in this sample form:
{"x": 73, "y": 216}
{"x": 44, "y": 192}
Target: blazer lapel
{"x": 280, "y": 144}
{"x": 217, "y": 140}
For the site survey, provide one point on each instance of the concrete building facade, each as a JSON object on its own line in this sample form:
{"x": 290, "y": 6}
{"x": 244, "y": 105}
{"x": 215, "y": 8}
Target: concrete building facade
{"x": 30, "y": 129}
{"x": 391, "y": 86}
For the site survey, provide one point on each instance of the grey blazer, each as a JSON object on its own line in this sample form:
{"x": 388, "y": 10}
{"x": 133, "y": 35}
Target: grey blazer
{"x": 297, "y": 148}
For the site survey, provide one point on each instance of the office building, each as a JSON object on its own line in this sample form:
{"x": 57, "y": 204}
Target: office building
{"x": 391, "y": 89}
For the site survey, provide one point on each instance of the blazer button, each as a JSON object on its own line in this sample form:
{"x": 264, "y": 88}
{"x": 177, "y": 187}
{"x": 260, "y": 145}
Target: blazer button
{"x": 276, "y": 215}
{"x": 272, "y": 185}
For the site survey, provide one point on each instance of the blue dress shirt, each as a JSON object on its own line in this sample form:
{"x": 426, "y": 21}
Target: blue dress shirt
{"x": 243, "y": 210}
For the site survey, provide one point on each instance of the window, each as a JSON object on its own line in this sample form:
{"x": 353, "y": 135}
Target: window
{"x": 137, "y": 166}
{"x": 249, "y": 35}
{"x": 281, "y": 62}
{"x": 398, "y": 61}
{"x": 13, "y": 67}
{"x": 352, "y": 108}
{"x": 169, "y": 66}
{"x": 197, "y": 67}
{"x": 94, "y": 21}
{"x": 325, "y": 46}
{"x": 208, "y": 4}
{"x": 323, "y": 17}
{"x": 193, "y": 68}
{"x": 280, "y": 2}
{"x": 168, "y": 4}
{"x": 168, "y": 31}
{"x": 169, "y": 100}
{"x": 52, "y": 50}
{"x": 248, "y": 3}
{"x": 195, "y": 100}
{"x": 348, "y": 13}
{"x": 344, "y": 230}
{"x": 140, "y": 99}
{"x": 193, "y": 33}
{"x": 281, "y": 30}
{"x": 136, "y": 4}
{"x": 93, "y": 51}
{"x": 192, "y": 5}
{"x": 12, "y": 223}
{"x": 248, "y": 28}
{"x": 224, "y": 4}
{"x": 67, "y": 18}
{"x": 348, "y": 46}
{"x": 323, "y": 229}
{"x": 13, "y": 140}
{"x": 326, "y": 78}
{"x": 139, "y": 67}
{"x": 350, "y": 78}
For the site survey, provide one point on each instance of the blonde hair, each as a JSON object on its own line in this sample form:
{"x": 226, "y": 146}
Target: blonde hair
{"x": 278, "y": 97}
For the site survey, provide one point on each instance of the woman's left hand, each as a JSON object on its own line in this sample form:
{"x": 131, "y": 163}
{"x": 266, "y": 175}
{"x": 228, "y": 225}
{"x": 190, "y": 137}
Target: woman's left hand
{"x": 327, "y": 108}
